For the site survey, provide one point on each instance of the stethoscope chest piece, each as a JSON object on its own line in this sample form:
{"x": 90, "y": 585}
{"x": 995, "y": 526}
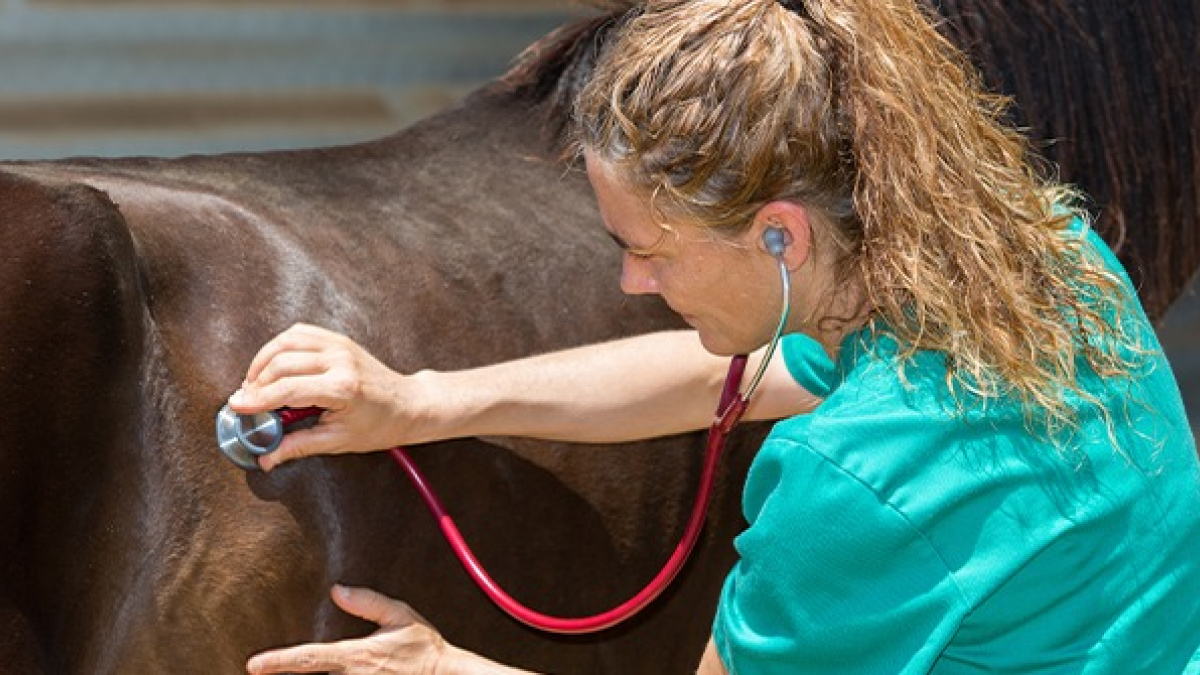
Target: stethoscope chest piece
{"x": 245, "y": 438}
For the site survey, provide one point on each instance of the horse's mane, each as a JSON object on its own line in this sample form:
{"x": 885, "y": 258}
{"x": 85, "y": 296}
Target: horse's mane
{"x": 1111, "y": 91}
{"x": 1108, "y": 91}
{"x": 554, "y": 69}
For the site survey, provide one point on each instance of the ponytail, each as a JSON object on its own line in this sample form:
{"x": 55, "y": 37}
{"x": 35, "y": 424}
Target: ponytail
{"x": 964, "y": 247}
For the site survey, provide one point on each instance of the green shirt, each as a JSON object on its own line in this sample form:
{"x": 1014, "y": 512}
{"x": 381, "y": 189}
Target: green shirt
{"x": 888, "y": 534}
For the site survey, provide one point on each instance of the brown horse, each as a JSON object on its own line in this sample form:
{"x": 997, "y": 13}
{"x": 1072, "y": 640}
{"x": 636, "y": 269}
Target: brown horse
{"x": 137, "y": 290}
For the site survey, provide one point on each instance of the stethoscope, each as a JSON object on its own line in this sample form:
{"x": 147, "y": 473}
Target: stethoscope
{"x": 245, "y": 438}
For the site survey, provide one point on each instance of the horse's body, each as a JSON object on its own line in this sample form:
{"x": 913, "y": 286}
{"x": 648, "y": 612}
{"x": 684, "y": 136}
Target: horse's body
{"x": 141, "y": 289}
{"x": 135, "y": 293}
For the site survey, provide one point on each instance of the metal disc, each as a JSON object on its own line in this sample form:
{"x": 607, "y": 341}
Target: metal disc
{"x": 230, "y": 442}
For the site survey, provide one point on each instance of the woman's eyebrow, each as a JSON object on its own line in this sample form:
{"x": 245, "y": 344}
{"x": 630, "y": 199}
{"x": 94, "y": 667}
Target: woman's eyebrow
{"x": 628, "y": 248}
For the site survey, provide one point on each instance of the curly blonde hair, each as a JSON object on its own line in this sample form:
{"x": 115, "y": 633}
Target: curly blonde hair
{"x": 861, "y": 111}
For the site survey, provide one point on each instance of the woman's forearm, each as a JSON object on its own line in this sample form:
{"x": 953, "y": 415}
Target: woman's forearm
{"x": 641, "y": 387}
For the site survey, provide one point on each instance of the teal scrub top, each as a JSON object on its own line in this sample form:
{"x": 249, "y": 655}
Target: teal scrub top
{"x": 889, "y": 534}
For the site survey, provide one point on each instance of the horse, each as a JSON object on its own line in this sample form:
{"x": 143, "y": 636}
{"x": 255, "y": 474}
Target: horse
{"x": 136, "y": 290}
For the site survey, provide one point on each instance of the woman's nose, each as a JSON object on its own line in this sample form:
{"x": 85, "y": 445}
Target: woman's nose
{"x": 637, "y": 276}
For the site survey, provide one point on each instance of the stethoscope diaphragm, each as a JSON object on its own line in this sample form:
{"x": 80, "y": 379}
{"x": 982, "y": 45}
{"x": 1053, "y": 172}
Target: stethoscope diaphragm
{"x": 245, "y": 438}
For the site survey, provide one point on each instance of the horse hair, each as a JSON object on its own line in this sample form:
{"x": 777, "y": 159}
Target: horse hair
{"x": 1111, "y": 92}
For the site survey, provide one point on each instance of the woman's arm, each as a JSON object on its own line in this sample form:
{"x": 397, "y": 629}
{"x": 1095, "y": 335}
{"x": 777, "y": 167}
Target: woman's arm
{"x": 710, "y": 663}
{"x": 640, "y": 387}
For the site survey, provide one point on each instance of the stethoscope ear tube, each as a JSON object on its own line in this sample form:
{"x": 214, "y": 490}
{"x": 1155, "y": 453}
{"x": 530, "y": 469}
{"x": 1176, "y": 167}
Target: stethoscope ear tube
{"x": 730, "y": 411}
{"x": 784, "y": 312}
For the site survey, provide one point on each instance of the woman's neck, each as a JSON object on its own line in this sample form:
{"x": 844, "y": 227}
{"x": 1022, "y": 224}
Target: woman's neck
{"x": 831, "y": 309}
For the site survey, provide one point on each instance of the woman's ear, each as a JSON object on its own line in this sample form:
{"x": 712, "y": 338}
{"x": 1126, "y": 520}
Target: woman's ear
{"x": 782, "y": 229}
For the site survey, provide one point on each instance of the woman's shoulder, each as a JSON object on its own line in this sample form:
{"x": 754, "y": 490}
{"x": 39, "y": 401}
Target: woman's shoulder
{"x": 896, "y": 428}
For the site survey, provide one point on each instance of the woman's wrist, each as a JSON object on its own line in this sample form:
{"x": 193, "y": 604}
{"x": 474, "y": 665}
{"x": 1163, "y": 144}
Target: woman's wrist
{"x": 439, "y": 405}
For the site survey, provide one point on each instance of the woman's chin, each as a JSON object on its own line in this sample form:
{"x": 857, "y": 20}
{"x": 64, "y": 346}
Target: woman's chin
{"x": 720, "y": 345}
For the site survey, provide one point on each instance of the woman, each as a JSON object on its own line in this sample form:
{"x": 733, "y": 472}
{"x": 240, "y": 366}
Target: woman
{"x": 983, "y": 465}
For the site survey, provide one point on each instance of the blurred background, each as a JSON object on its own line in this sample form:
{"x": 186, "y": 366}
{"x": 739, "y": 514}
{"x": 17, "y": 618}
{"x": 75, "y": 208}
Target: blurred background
{"x": 168, "y": 77}
{"x": 172, "y": 77}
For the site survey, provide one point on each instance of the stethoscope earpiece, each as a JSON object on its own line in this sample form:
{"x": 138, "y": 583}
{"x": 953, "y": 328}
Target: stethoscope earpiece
{"x": 775, "y": 240}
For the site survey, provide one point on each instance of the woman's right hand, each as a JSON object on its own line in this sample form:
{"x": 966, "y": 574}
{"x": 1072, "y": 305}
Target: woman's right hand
{"x": 368, "y": 406}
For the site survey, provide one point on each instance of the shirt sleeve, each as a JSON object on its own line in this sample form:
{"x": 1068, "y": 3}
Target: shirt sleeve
{"x": 831, "y": 579}
{"x": 808, "y": 363}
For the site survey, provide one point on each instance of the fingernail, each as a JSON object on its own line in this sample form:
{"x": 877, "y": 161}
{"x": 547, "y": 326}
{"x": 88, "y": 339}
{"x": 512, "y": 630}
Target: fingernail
{"x": 236, "y": 397}
{"x": 342, "y": 591}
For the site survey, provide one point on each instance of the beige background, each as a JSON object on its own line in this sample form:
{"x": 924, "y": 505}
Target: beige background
{"x": 117, "y": 77}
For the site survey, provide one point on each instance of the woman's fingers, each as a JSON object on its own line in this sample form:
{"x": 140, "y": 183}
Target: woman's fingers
{"x": 303, "y": 366}
{"x": 405, "y": 643}
{"x": 299, "y": 338}
{"x": 375, "y": 607}
{"x": 293, "y": 392}
{"x": 322, "y": 439}
{"x": 293, "y": 364}
{"x": 312, "y": 658}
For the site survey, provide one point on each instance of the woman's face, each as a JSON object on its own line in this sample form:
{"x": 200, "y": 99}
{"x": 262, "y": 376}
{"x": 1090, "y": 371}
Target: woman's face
{"x": 727, "y": 289}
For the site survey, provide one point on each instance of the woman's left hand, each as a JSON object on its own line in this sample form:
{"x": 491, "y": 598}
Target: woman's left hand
{"x": 404, "y": 644}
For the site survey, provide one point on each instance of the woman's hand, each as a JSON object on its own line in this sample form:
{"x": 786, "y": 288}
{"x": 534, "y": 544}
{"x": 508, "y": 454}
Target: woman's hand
{"x": 368, "y": 405}
{"x": 404, "y": 644}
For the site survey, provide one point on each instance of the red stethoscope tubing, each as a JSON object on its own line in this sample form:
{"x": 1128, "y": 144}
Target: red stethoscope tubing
{"x": 730, "y": 409}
